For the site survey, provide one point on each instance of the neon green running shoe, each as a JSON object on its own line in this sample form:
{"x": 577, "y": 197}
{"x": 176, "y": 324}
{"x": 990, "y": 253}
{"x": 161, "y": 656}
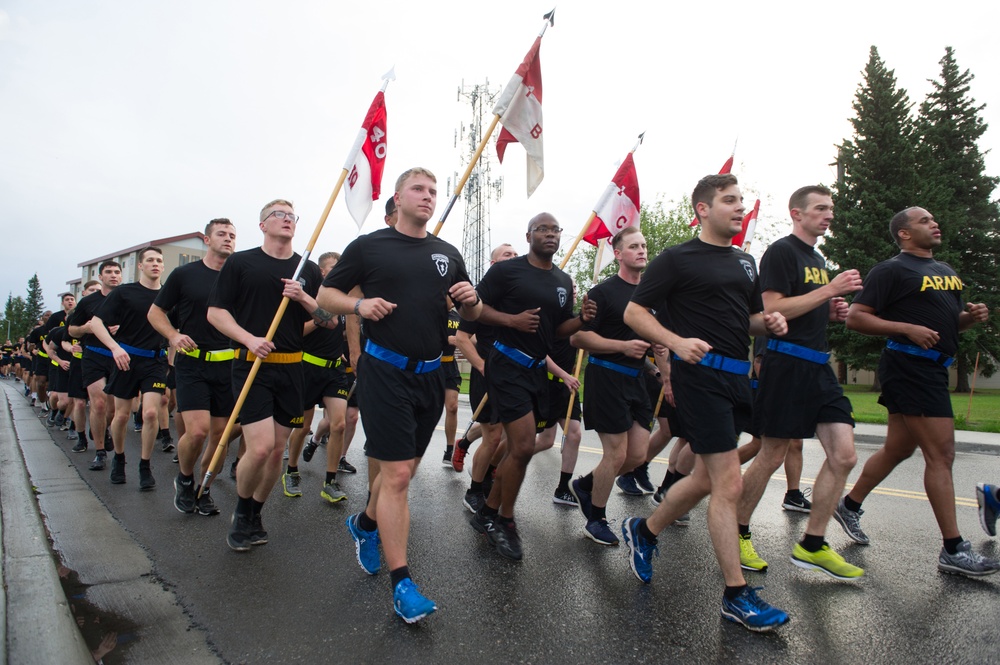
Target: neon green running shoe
{"x": 826, "y": 561}
{"x": 748, "y": 557}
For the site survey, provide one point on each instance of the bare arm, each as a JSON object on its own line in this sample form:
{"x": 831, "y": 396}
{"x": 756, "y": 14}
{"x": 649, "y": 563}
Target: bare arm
{"x": 161, "y": 323}
{"x": 862, "y": 319}
{"x": 589, "y": 340}
{"x": 224, "y": 322}
{"x": 100, "y": 331}
{"x": 642, "y": 321}
{"x": 974, "y": 313}
{"x": 467, "y": 346}
{"x": 792, "y": 307}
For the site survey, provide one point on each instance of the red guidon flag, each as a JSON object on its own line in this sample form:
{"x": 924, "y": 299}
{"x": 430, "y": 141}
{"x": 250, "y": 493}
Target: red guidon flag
{"x": 364, "y": 167}
{"x": 726, "y": 168}
{"x": 749, "y": 224}
{"x": 520, "y": 111}
{"x": 617, "y": 208}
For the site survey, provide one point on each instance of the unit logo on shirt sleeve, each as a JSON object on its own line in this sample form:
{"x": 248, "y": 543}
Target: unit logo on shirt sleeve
{"x": 441, "y": 261}
{"x": 561, "y": 292}
{"x": 747, "y": 268}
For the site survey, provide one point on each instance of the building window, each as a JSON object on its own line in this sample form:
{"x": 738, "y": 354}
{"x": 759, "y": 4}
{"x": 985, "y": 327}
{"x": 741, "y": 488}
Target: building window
{"x": 185, "y": 259}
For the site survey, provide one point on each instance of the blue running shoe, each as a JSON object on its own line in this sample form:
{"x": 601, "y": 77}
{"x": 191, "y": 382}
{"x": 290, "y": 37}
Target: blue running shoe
{"x": 366, "y": 547}
{"x": 409, "y": 603}
{"x": 989, "y": 507}
{"x": 582, "y": 497}
{"x": 750, "y": 611}
{"x": 626, "y": 483}
{"x": 640, "y": 551}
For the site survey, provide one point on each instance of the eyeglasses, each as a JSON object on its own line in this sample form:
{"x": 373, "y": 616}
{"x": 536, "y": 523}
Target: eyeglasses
{"x": 281, "y": 214}
{"x": 544, "y": 230}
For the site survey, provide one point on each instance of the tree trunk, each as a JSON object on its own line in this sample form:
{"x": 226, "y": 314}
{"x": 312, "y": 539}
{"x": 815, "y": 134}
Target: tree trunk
{"x": 842, "y": 372}
{"x": 962, "y": 383}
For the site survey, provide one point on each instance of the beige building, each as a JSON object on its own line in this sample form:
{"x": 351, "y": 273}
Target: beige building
{"x": 177, "y": 251}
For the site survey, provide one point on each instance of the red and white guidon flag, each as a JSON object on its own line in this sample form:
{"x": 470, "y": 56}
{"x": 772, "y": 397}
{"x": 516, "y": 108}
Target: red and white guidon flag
{"x": 520, "y": 111}
{"x": 617, "y": 208}
{"x": 749, "y": 224}
{"x": 726, "y": 168}
{"x": 366, "y": 163}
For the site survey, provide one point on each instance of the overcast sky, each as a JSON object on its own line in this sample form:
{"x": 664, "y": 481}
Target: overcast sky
{"x": 124, "y": 121}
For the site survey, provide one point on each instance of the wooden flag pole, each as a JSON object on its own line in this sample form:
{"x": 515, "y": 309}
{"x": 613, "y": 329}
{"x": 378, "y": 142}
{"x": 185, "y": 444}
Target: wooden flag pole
{"x": 220, "y": 452}
{"x": 972, "y": 389}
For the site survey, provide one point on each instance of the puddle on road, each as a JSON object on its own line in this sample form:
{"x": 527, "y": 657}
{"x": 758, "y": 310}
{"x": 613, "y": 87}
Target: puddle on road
{"x": 107, "y": 635}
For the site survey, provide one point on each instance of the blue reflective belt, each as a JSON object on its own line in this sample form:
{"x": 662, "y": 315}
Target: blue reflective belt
{"x": 930, "y": 354}
{"x": 797, "y": 351}
{"x": 518, "y": 356}
{"x": 722, "y": 363}
{"x": 99, "y": 351}
{"x": 142, "y": 353}
{"x": 754, "y": 384}
{"x": 401, "y": 361}
{"x": 615, "y": 367}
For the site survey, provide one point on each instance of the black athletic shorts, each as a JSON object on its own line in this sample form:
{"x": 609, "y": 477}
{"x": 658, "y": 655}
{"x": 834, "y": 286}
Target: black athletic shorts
{"x": 515, "y": 390}
{"x": 171, "y": 377}
{"x": 558, "y": 403}
{"x": 53, "y": 376}
{"x": 40, "y": 367}
{"x": 477, "y": 390}
{"x": 615, "y": 401}
{"x": 75, "y": 387}
{"x": 96, "y": 367}
{"x": 319, "y": 382}
{"x": 713, "y": 406}
{"x": 350, "y": 378}
{"x": 452, "y": 377}
{"x": 58, "y": 380}
{"x": 275, "y": 393}
{"x": 666, "y": 410}
{"x": 401, "y": 409}
{"x": 913, "y": 386}
{"x": 204, "y": 386}
{"x": 144, "y": 375}
{"x": 794, "y": 395}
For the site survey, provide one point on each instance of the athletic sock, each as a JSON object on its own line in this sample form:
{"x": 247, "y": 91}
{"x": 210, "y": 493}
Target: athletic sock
{"x": 244, "y": 506}
{"x": 120, "y": 457}
{"x": 163, "y": 433}
{"x": 256, "y": 506}
{"x": 811, "y": 543}
{"x": 851, "y": 504}
{"x": 744, "y": 530}
{"x": 464, "y": 443}
{"x": 449, "y": 449}
{"x": 185, "y": 479}
{"x": 331, "y": 476}
{"x": 646, "y": 534}
{"x": 475, "y": 486}
{"x": 489, "y": 512}
{"x": 587, "y": 483}
{"x": 398, "y": 575}
{"x": 598, "y": 513}
{"x": 733, "y": 591}
{"x": 143, "y": 463}
{"x": 668, "y": 480}
{"x": 564, "y": 479}
{"x": 366, "y": 523}
{"x": 292, "y": 469}
{"x": 951, "y": 544}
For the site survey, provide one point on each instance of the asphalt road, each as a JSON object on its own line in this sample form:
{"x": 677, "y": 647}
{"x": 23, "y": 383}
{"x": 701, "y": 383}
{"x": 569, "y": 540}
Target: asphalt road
{"x": 303, "y": 598}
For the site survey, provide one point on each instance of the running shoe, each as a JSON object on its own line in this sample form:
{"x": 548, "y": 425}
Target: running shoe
{"x": 291, "y": 482}
{"x": 204, "y": 505}
{"x": 626, "y": 483}
{"x": 117, "y": 471}
{"x": 656, "y": 498}
{"x": 508, "y": 540}
{"x": 365, "y": 546}
{"x": 446, "y": 460}
{"x": 51, "y": 420}
{"x": 582, "y": 497}
{"x": 67, "y": 425}
{"x": 966, "y": 561}
{"x": 73, "y": 435}
{"x": 850, "y": 521}
{"x": 146, "y": 480}
{"x": 749, "y": 560}
{"x": 284, "y": 456}
{"x": 989, "y": 507}
{"x": 166, "y": 443}
{"x": 641, "y": 476}
{"x": 485, "y": 525}
{"x": 826, "y": 561}
{"x": 184, "y": 496}
{"x": 683, "y": 520}
{"x": 257, "y": 534}
{"x": 332, "y": 492}
{"x": 640, "y": 551}
{"x": 458, "y": 457}
{"x": 60, "y": 420}
{"x": 309, "y": 450}
{"x": 136, "y": 422}
{"x": 343, "y": 466}
{"x": 564, "y": 498}
{"x": 109, "y": 443}
{"x": 232, "y": 469}
{"x": 753, "y": 613}
{"x": 175, "y": 459}
{"x": 474, "y": 500}
{"x": 239, "y": 533}
{"x": 795, "y": 501}
{"x": 81, "y": 446}
{"x": 409, "y": 603}
{"x": 599, "y": 532}
{"x": 99, "y": 463}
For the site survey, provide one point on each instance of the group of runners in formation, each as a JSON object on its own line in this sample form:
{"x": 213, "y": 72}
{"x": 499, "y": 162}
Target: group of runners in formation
{"x": 668, "y": 345}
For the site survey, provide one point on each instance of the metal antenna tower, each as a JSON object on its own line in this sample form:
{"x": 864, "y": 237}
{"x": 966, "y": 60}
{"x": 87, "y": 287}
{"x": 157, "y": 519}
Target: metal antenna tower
{"x": 481, "y": 187}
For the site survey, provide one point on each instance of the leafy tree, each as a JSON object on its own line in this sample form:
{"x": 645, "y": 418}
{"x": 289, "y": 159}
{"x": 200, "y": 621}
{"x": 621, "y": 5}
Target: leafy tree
{"x": 957, "y": 191}
{"x": 879, "y": 179}
{"x": 15, "y": 315}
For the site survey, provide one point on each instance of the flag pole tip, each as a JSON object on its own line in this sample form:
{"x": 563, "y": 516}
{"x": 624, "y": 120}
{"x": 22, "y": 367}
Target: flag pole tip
{"x": 641, "y": 136}
{"x": 390, "y": 75}
{"x": 551, "y": 17}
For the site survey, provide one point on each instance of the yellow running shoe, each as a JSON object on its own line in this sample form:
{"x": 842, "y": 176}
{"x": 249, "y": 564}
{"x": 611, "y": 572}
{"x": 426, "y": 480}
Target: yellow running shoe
{"x": 748, "y": 556}
{"x": 826, "y": 561}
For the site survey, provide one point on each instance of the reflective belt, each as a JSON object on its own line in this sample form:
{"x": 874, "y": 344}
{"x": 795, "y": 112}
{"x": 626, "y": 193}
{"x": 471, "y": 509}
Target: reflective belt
{"x": 42, "y": 354}
{"x": 341, "y": 361}
{"x": 518, "y": 356}
{"x": 272, "y": 358}
{"x": 210, "y": 356}
{"x": 615, "y": 367}
{"x": 930, "y": 354}
{"x": 400, "y": 361}
{"x": 142, "y": 353}
{"x": 797, "y": 351}
{"x": 552, "y": 377}
{"x": 722, "y": 363}
{"x": 754, "y": 383}
{"x": 447, "y": 359}
{"x": 319, "y": 362}
{"x": 100, "y": 351}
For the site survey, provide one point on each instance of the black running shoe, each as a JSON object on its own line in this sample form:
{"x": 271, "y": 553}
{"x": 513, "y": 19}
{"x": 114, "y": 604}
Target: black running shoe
{"x": 100, "y": 462}
{"x": 309, "y": 450}
{"x": 81, "y": 446}
{"x": 117, "y": 471}
{"x": 109, "y": 444}
{"x": 167, "y": 443}
{"x": 239, "y": 533}
{"x": 257, "y": 534}
{"x": 146, "y": 480}
{"x": 508, "y": 541}
{"x": 345, "y": 467}
{"x": 184, "y": 498}
{"x": 205, "y": 505}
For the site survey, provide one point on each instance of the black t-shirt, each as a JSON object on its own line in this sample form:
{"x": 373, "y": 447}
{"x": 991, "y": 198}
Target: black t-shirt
{"x": 793, "y": 268}
{"x": 484, "y": 334}
{"x": 249, "y": 286}
{"x": 57, "y": 320}
{"x": 912, "y": 289}
{"x": 612, "y": 296}
{"x": 127, "y": 307}
{"x": 454, "y": 320}
{"x": 564, "y": 354}
{"x": 515, "y": 285}
{"x": 85, "y": 309}
{"x": 413, "y": 273}
{"x": 184, "y": 297}
{"x": 710, "y": 293}
{"x": 37, "y": 336}
{"x": 56, "y": 337}
{"x": 326, "y": 343}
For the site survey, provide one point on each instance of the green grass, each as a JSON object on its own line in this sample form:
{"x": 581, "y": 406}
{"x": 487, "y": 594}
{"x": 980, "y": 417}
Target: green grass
{"x": 985, "y": 416}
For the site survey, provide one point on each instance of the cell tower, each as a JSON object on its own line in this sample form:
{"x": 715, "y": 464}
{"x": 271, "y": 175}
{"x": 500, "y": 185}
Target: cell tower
{"x": 480, "y": 187}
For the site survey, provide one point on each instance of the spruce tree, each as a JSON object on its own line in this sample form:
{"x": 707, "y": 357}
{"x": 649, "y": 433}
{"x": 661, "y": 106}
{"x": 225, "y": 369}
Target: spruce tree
{"x": 35, "y": 302}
